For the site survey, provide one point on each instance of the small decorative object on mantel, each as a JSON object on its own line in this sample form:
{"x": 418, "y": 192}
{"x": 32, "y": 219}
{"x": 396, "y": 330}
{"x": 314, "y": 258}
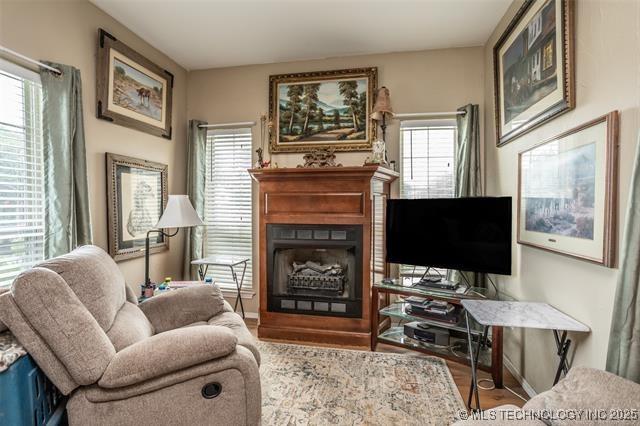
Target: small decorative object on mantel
{"x": 320, "y": 158}
{"x": 261, "y": 163}
{"x": 381, "y": 109}
{"x": 132, "y": 91}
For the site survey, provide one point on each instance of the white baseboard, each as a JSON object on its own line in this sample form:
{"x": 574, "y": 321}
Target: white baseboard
{"x": 516, "y": 374}
{"x": 251, "y": 315}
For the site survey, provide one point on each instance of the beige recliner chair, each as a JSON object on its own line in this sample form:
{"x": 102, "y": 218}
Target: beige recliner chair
{"x": 181, "y": 358}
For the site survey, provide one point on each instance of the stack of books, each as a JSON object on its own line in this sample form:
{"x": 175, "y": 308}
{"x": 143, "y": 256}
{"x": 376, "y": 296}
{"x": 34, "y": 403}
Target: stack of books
{"x": 438, "y": 310}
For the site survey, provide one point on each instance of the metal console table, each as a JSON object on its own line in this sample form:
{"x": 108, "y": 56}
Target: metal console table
{"x": 226, "y": 261}
{"x": 499, "y": 313}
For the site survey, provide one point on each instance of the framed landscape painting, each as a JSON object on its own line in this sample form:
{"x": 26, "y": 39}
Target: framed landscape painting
{"x": 567, "y": 192}
{"x": 131, "y": 90}
{"x": 322, "y": 110}
{"x": 533, "y": 68}
{"x": 137, "y": 195}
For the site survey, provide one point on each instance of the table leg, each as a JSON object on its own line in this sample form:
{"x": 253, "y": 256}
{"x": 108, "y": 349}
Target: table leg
{"x": 474, "y": 364}
{"x": 202, "y": 271}
{"x": 563, "y": 344}
{"x": 239, "y": 287}
{"x": 375, "y": 318}
{"x": 496, "y": 357}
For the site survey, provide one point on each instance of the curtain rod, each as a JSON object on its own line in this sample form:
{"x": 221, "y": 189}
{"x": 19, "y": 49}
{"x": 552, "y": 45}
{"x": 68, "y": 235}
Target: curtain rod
{"x": 29, "y": 60}
{"x": 222, "y": 125}
{"x": 428, "y": 114}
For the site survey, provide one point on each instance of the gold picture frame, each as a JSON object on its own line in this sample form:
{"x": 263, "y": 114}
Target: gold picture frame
{"x": 131, "y": 90}
{"x": 568, "y": 192}
{"x": 322, "y": 110}
{"x": 533, "y": 64}
{"x": 137, "y": 193}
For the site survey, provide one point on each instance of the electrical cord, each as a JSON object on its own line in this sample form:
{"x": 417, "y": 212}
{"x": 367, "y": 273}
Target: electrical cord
{"x": 493, "y": 386}
{"x": 495, "y": 287}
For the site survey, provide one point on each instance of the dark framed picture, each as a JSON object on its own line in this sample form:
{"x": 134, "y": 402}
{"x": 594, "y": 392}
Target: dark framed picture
{"x": 137, "y": 195}
{"x": 131, "y": 90}
{"x": 322, "y": 110}
{"x": 533, "y": 68}
{"x": 567, "y": 192}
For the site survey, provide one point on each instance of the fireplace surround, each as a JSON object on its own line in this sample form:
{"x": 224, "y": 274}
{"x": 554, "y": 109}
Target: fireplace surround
{"x": 321, "y": 233}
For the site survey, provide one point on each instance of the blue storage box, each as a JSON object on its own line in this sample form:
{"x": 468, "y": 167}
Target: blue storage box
{"x": 27, "y": 397}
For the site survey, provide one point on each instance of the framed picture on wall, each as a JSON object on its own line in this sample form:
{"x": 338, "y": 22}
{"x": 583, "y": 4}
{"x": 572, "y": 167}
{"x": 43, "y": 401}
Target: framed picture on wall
{"x": 131, "y": 90}
{"x": 137, "y": 195}
{"x": 533, "y": 68}
{"x": 567, "y": 192}
{"x": 322, "y": 110}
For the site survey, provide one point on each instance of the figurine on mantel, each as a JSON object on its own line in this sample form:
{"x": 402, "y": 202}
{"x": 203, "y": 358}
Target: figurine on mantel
{"x": 320, "y": 158}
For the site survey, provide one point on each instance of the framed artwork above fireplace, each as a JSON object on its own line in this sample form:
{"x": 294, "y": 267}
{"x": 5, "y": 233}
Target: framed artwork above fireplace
{"x": 322, "y": 110}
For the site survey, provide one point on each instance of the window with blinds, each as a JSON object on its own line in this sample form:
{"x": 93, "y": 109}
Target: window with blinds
{"x": 228, "y": 200}
{"x": 21, "y": 172}
{"x": 427, "y": 165}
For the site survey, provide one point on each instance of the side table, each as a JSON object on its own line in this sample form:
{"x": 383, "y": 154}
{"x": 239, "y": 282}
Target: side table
{"x": 227, "y": 261}
{"x": 499, "y": 313}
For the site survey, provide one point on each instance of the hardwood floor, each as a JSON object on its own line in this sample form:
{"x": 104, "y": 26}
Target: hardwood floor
{"x": 461, "y": 375}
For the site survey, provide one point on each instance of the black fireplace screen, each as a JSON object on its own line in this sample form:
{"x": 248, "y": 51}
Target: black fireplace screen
{"x": 315, "y": 269}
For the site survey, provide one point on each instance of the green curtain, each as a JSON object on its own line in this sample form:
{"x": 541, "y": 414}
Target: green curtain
{"x": 623, "y": 357}
{"x": 67, "y": 217}
{"x": 468, "y": 179}
{"x": 196, "y": 178}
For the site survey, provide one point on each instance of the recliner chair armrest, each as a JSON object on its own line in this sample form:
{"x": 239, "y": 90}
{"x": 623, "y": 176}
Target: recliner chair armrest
{"x": 177, "y": 308}
{"x": 167, "y": 352}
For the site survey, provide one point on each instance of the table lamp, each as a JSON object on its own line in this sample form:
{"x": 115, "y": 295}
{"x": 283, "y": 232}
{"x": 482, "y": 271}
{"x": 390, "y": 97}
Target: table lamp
{"x": 178, "y": 214}
{"x": 381, "y": 108}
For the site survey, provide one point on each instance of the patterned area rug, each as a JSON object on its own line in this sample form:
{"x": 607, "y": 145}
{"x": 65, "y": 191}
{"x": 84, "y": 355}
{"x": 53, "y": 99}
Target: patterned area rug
{"x": 305, "y": 385}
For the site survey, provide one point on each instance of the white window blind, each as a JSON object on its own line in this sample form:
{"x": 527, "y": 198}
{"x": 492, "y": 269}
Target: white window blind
{"x": 427, "y": 165}
{"x": 228, "y": 200}
{"x": 21, "y": 172}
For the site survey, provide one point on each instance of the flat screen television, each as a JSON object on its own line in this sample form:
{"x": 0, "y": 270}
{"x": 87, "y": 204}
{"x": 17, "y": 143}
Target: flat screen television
{"x": 467, "y": 234}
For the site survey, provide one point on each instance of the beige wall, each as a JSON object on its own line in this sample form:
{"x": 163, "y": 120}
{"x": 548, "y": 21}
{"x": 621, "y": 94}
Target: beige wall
{"x": 66, "y": 32}
{"x": 427, "y": 81}
{"x": 607, "y": 78}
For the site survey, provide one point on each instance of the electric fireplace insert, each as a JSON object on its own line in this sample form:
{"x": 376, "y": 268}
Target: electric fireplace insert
{"x": 315, "y": 269}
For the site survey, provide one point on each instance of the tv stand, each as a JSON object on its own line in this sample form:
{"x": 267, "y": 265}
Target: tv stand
{"x": 382, "y": 331}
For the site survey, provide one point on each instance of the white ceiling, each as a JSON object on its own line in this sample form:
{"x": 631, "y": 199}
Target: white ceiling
{"x": 201, "y": 34}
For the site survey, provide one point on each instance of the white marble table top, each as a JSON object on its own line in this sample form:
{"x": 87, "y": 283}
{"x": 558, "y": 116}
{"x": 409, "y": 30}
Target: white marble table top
{"x": 221, "y": 260}
{"x": 521, "y": 315}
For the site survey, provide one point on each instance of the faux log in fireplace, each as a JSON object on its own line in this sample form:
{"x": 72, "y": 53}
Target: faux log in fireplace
{"x": 321, "y": 246}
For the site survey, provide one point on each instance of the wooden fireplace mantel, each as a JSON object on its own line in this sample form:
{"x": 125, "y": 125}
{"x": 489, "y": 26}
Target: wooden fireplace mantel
{"x": 320, "y": 196}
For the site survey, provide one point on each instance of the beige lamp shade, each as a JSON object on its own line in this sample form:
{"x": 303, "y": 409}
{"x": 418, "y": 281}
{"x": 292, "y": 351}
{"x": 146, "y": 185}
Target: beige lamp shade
{"x": 382, "y": 105}
{"x": 179, "y": 214}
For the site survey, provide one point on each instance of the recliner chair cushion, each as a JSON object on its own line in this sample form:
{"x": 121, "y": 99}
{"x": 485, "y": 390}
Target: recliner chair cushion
{"x": 64, "y": 323}
{"x": 129, "y": 327}
{"x": 95, "y": 278}
{"x": 177, "y": 308}
{"x": 235, "y": 323}
{"x": 167, "y": 352}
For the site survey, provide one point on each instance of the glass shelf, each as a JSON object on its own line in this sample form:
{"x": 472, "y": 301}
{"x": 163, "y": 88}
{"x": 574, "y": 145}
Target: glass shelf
{"x": 396, "y": 336}
{"x": 397, "y": 310}
{"x": 406, "y": 285}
